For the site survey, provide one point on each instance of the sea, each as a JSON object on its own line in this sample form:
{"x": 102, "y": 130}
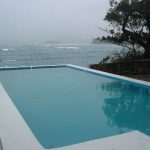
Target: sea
{"x": 82, "y": 54}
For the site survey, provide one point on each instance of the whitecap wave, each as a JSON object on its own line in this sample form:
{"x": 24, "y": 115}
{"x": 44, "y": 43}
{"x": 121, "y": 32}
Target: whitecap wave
{"x": 5, "y": 49}
{"x": 60, "y": 47}
{"x": 72, "y": 47}
{"x": 8, "y": 49}
{"x": 74, "y": 44}
{"x": 9, "y": 60}
{"x": 47, "y": 45}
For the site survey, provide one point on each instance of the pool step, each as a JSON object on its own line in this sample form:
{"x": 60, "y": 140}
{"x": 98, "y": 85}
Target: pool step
{"x": 1, "y": 146}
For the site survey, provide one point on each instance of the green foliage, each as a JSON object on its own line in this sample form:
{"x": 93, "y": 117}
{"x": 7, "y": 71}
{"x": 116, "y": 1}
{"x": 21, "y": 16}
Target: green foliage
{"x": 123, "y": 56}
{"x": 130, "y": 22}
{"x": 105, "y": 60}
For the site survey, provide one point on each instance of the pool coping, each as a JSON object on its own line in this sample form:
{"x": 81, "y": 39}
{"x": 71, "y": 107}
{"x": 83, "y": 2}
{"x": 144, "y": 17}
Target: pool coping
{"x": 18, "y": 136}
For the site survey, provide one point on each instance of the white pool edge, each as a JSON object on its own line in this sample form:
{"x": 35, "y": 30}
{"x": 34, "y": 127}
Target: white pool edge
{"x": 111, "y": 75}
{"x": 16, "y": 135}
{"x": 85, "y": 69}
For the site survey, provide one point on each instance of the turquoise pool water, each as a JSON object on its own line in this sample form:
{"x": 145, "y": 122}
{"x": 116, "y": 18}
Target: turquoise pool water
{"x": 64, "y": 106}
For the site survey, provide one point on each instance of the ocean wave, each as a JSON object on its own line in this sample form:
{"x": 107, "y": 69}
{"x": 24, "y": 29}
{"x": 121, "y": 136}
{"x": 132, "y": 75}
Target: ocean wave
{"x": 7, "y": 49}
{"x": 74, "y": 44}
{"x": 36, "y": 45}
{"x": 9, "y": 60}
{"x": 66, "y": 47}
{"x": 60, "y": 47}
{"x": 47, "y": 45}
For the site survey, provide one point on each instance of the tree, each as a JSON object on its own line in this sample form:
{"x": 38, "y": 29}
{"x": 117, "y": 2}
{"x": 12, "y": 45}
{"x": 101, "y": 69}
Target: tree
{"x": 130, "y": 22}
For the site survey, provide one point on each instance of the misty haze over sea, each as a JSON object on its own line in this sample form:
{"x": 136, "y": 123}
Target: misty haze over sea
{"x": 65, "y": 21}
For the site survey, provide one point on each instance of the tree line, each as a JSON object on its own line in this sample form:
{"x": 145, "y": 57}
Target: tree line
{"x": 129, "y": 25}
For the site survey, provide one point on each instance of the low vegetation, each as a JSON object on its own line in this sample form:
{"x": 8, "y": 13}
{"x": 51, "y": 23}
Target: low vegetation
{"x": 123, "y": 56}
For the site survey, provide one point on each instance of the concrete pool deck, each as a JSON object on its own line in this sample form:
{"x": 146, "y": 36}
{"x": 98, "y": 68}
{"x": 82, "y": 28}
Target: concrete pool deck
{"x": 16, "y": 135}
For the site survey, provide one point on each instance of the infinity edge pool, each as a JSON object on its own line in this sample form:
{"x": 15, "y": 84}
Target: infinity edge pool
{"x": 16, "y": 135}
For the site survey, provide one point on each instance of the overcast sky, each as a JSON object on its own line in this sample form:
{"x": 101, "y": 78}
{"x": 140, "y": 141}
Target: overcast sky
{"x": 27, "y": 21}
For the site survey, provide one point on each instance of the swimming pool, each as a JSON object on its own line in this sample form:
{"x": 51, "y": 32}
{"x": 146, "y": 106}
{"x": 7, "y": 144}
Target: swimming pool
{"x": 65, "y": 105}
